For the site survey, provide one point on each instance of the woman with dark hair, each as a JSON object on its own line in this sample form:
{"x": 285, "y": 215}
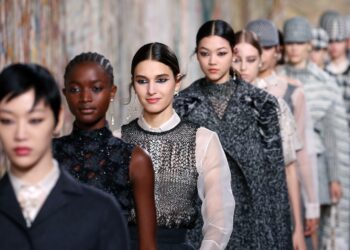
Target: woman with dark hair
{"x": 41, "y": 206}
{"x": 94, "y": 156}
{"x": 246, "y": 120}
{"x": 188, "y": 159}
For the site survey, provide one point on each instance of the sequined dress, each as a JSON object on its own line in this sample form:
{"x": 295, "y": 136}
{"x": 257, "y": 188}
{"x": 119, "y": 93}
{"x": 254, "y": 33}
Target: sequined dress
{"x": 246, "y": 120}
{"x": 189, "y": 165}
{"x": 99, "y": 159}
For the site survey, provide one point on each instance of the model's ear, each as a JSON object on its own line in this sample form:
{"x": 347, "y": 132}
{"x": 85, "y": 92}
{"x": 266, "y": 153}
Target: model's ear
{"x": 178, "y": 79}
{"x": 113, "y": 92}
{"x": 59, "y": 125}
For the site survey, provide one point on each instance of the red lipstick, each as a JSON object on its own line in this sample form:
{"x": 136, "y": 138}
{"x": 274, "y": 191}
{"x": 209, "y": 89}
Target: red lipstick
{"x": 213, "y": 71}
{"x": 152, "y": 100}
{"x": 22, "y": 151}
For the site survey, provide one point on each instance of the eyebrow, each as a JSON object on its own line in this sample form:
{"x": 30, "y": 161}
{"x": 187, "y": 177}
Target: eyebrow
{"x": 78, "y": 82}
{"x": 209, "y": 49}
{"x": 160, "y": 75}
{"x": 33, "y": 110}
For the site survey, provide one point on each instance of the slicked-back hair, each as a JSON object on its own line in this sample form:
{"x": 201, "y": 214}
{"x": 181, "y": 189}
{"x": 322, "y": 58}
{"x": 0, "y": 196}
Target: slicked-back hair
{"x": 157, "y": 52}
{"x": 216, "y": 28}
{"x": 245, "y": 36}
{"x": 17, "y": 79}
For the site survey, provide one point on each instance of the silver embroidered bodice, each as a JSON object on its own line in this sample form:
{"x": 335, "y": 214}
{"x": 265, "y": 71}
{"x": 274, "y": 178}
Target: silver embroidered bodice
{"x": 174, "y": 162}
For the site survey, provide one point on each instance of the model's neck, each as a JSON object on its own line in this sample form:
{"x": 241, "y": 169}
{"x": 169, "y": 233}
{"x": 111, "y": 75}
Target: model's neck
{"x": 299, "y": 65}
{"x": 34, "y": 174}
{"x": 266, "y": 73}
{"x": 91, "y": 126}
{"x": 340, "y": 60}
{"x": 158, "y": 119}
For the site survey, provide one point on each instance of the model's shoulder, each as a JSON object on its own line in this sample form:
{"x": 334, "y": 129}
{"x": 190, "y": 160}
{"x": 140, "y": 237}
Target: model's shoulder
{"x": 118, "y": 143}
{"x": 318, "y": 73}
{"x": 130, "y": 124}
{"x": 62, "y": 139}
{"x": 251, "y": 93}
{"x": 192, "y": 89}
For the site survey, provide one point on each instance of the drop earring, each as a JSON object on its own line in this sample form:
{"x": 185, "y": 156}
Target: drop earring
{"x": 112, "y": 113}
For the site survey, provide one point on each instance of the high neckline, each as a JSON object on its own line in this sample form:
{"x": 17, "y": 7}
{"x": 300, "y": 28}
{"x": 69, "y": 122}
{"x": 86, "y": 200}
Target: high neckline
{"x": 96, "y": 134}
{"x": 291, "y": 69}
{"x": 172, "y": 122}
{"x": 223, "y": 89}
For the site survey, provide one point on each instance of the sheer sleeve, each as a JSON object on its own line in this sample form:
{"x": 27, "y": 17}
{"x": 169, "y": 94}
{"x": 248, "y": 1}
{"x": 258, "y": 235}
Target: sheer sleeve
{"x": 306, "y": 156}
{"x": 290, "y": 141}
{"x": 214, "y": 189}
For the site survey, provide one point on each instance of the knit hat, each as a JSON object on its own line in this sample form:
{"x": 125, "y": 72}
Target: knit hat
{"x": 335, "y": 27}
{"x": 265, "y": 30}
{"x": 326, "y": 16}
{"x": 297, "y": 30}
{"x": 347, "y": 25}
{"x": 320, "y": 38}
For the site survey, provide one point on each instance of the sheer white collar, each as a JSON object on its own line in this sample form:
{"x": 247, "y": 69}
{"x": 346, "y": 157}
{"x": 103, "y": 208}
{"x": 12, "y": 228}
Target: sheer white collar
{"x": 169, "y": 124}
{"x": 46, "y": 183}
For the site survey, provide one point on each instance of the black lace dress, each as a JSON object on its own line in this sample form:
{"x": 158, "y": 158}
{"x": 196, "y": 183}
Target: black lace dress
{"x": 99, "y": 159}
{"x": 245, "y": 118}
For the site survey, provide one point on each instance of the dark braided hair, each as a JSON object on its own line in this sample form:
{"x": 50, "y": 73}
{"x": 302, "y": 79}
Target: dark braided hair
{"x": 90, "y": 57}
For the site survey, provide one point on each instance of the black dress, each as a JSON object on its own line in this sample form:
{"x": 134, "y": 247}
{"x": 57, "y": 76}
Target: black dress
{"x": 99, "y": 159}
{"x": 246, "y": 120}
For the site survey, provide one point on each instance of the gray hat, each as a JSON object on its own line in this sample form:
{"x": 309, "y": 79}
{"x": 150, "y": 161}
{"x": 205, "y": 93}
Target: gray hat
{"x": 319, "y": 38}
{"x": 347, "y": 25}
{"x": 325, "y": 17}
{"x": 297, "y": 30}
{"x": 265, "y": 30}
{"x": 335, "y": 27}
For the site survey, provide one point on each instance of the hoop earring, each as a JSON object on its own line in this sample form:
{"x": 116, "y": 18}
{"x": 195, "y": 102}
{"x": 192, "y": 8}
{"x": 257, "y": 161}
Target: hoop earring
{"x": 176, "y": 93}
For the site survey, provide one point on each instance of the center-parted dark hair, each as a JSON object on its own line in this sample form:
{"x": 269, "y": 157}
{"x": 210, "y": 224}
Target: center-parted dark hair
{"x": 157, "y": 52}
{"x": 216, "y": 28}
{"x": 90, "y": 57}
{"x": 17, "y": 79}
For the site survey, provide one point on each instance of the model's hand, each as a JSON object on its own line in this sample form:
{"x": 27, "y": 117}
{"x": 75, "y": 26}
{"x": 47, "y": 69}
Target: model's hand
{"x": 335, "y": 191}
{"x": 311, "y": 225}
{"x": 298, "y": 240}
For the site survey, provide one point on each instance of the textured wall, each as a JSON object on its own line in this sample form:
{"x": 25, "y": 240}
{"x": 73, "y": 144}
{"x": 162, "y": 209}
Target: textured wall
{"x": 51, "y": 32}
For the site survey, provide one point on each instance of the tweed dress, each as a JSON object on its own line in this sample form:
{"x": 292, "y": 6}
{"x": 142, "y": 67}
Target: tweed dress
{"x": 327, "y": 108}
{"x": 249, "y": 132}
